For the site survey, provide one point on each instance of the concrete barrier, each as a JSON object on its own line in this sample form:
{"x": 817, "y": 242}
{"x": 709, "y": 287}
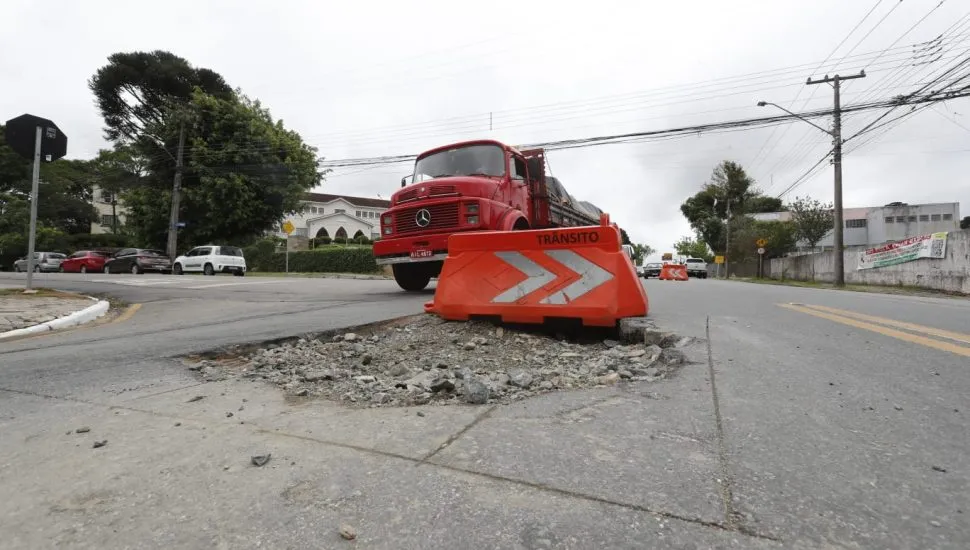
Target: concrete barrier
{"x": 950, "y": 274}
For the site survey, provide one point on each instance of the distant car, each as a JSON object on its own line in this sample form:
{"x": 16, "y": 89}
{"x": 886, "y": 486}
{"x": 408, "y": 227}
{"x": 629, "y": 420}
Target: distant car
{"x": 696, "y": 267}
{"x": 137, "y": 260}
{"x": 43, "y": 261}
{"x": 84, "y": 261}
{"x": 212, "y": 259}
{"x": 651, "y": 270}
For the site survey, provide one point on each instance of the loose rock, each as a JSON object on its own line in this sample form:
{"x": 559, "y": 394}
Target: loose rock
{"x": 82, "y": 430}
{"x": 99, "y": 444}
{"x": 520, "y": 379}
{"x": 425, "y": 360}
{"x": 347, "y": 532}
{"x": 260, "y": 460}
{"x": 476, "y": 391}
{"x": 196, "y": 398}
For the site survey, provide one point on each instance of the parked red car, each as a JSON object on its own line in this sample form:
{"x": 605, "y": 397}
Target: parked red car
{"x": 84, "y": 261}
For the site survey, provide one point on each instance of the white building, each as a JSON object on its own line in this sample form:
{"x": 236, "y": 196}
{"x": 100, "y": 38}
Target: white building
{"x": 877, "y": 225}
{"x": 336, "y": 216}
{"x": 102, "y": 203}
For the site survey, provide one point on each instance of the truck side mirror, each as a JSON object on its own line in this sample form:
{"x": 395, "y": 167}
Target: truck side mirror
{"x": 404, "y": 180}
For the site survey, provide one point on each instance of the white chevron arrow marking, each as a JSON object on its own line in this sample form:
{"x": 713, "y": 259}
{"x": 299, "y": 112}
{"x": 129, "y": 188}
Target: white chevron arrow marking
{"x": 591, "y": 276}
{"x": 538, "y": 277}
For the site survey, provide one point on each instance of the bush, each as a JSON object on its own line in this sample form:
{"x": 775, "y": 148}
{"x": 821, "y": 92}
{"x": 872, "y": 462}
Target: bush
{"x": 85, "y": 241}
{"x": 340, "y": 240}
{"x": 363, "y": 240}
{"x": 320, "y": 260}
{"x": 324, "y": 240}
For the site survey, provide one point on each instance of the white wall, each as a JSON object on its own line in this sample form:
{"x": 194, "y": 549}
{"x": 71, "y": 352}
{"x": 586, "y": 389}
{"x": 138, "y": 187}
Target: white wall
{"x": 951, "y": 274}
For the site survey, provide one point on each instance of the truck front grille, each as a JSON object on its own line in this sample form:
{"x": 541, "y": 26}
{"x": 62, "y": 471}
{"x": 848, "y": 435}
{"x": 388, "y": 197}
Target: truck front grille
{"x": 443, "y": 216}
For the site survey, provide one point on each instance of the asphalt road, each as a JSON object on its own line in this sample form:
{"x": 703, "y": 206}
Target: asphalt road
{"x": 808, "y": 419}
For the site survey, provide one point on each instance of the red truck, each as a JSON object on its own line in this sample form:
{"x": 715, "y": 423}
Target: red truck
{"x": 481, "y": 185}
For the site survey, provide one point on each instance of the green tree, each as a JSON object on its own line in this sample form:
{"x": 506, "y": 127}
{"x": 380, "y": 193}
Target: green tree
{"x": 624, "y": 238}
{"x": 693, "y": 248}
{"x": 116, "y": 172}
{"x": 138, "y": 90}
{"x": 244, "y": 171}
{"x": 813, "y": 220}
{"x": 965, "y": 223}
{"x": 729, "y": 188}
{"x": 641, "y": 251}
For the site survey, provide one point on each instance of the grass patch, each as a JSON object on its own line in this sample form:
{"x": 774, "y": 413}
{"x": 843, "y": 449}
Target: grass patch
{"x": 874, "y": 289}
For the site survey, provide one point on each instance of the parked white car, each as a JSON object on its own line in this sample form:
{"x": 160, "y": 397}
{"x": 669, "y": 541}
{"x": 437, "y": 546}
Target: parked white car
{"x": 211, "y": 259}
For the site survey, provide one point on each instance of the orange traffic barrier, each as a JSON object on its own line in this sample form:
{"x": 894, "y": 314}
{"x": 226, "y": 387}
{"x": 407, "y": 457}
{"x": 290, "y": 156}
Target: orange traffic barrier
{"x": 673, "y": 272}
{"x": 531, "y": 276}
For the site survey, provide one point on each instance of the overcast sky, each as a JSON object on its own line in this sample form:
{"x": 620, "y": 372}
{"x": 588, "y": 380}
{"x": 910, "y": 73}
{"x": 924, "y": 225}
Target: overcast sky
{"x": 367, "y": 78}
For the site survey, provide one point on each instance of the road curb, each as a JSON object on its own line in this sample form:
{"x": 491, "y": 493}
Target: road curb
{"x": 86, "y": 315}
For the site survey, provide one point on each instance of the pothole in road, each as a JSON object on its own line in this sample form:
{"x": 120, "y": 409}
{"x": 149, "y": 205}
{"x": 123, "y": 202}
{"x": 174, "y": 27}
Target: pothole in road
{"x": 423, "y": 359}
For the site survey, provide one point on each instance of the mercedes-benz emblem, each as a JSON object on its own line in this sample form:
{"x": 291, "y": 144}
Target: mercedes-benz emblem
{"x": 422, "y": 218}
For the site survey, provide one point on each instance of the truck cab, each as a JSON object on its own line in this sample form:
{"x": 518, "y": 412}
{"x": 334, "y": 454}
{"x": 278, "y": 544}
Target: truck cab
{"x": 470, "y": 186}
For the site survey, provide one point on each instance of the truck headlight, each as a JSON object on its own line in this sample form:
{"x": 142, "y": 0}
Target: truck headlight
{"x": 387, "y": 219}
{"x": 471, "y": 208}
{"x": 472, "y": 220}
{"x": 388, "y": 230}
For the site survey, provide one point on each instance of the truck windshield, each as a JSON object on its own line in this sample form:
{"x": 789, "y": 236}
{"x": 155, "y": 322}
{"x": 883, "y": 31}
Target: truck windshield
{"x": 474, "y": 160}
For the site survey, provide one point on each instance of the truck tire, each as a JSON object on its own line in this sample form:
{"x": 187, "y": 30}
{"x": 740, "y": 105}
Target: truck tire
{"x": 412, "y": 277}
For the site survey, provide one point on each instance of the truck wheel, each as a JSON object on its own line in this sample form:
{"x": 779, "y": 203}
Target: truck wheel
{"x": 411, "y": 277}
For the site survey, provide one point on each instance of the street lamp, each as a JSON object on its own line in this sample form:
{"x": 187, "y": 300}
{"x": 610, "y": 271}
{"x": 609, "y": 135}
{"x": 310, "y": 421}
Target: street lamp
{"x": 838, "y": 242}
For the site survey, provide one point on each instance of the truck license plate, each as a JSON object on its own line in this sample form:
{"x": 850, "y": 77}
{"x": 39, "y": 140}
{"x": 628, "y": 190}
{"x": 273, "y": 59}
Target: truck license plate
{"x": 421, "y": 254}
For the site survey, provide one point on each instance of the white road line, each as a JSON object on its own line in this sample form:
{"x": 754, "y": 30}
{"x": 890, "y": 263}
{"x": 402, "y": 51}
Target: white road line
{"x": 202, "y": 287}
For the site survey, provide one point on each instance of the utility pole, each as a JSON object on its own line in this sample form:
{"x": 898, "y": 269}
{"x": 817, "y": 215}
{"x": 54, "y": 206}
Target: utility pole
{"x": 839, "y": 244}
{"x": 172, "y": 248}
{"x": 727, "y": 244}
{"x": 34, "y": 196}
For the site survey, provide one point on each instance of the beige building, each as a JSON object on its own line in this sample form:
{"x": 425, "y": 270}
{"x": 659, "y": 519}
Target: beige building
{"x": 323, "y": 215}
{"x": 102, "y": 203}
{"x": 335, "y": 216}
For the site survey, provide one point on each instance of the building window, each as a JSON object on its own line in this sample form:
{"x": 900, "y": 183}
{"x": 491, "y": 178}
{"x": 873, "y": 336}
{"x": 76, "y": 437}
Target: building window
{"x": 855, "y": 223}
{"x": 924, "y": 217}
{"x": 107, "y": 197}
{"x": 889, "y": 219}
{"x": 936, "y": 217}
{"x": 313, "y": 209}
{"x": 947, "y": 217}
{"x": 300, "y": 232}
{"x": 900, "y": 219}
{"x": 358, "y": 214}
{"x": 107, "y": 220}
{"x": 912, "y": 218}
{"x": 339, "y": 211}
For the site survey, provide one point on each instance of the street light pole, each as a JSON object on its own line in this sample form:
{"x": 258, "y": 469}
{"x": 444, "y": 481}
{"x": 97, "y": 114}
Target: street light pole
{"x": 836, "y": 133}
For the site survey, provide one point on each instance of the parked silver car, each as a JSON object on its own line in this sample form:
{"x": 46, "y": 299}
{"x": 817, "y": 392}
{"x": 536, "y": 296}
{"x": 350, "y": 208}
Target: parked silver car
{"x": 43, "y": 261}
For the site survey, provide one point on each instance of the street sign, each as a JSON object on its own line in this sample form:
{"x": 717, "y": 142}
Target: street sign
{"x": 667, "y": 256}
{"x": 180, "y": 224}
{"x": 719, "y": 259}
{"x": 761, "y": 251}
{"x": 288, "y": 227}
{"x": 21, "y": 133}
{"x": 761, "y": 244}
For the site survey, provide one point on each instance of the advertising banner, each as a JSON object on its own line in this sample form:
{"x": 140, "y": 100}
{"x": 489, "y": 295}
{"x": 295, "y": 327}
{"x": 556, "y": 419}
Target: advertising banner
{"x": 914, "y": 248}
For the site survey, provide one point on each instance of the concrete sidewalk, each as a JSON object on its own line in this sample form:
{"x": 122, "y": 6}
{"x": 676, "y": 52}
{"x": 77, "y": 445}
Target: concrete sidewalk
{"x": 633, "y": 466}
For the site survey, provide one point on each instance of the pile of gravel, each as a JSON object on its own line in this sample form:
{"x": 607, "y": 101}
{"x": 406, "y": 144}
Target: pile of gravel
{"x": 429, "y": 360}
